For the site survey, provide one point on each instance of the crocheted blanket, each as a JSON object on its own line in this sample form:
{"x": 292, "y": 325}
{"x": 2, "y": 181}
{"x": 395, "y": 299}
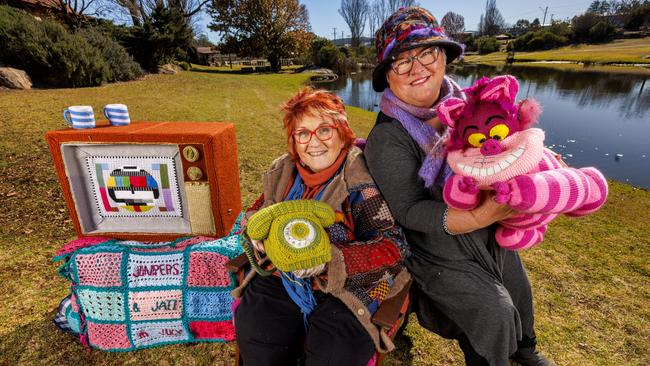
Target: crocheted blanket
{"x": 128, "y": 295}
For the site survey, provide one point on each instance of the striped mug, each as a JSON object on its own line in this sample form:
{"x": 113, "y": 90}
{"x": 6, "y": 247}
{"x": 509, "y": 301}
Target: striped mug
{"x": 80, "y": 116}
{"x": 117, "y": 114}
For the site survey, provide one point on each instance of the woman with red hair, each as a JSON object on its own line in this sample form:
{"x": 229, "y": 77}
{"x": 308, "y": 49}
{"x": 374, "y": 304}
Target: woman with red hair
{"x": 327, "y": 321}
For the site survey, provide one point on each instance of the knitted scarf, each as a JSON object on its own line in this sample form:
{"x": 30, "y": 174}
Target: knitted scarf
{"x": 434, "y": 169}
{"x": 315, "y": 182}
{"x": 308, "y": 185}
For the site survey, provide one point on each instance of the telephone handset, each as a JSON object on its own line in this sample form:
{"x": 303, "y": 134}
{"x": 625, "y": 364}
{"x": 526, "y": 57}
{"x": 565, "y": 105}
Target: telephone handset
{"x": 293, "y": 233}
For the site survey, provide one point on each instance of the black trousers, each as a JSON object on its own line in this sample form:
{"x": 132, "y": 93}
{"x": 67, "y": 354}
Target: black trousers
{"x": 270, "y": 329}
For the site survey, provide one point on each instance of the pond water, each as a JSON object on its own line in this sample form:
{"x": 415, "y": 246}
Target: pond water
{"x": 592, "y": 119}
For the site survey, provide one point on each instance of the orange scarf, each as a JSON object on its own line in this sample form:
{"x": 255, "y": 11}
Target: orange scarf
{"x": 315, "y": 182}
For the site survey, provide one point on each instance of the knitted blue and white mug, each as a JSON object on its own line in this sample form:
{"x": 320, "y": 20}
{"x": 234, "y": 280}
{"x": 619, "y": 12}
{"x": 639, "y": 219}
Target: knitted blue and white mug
{"x": 80, "y": 116}
{"x": 117, "y": 114}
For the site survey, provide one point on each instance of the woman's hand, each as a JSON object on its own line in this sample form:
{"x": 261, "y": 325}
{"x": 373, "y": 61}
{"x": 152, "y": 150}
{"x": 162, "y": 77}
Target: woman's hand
{"x": 558, "y": 157}
{"x": 310, "y": 272}
{"x": 485, "y": 214}
{"x": 258, "y": 245}
{"x": 489, "y": 211}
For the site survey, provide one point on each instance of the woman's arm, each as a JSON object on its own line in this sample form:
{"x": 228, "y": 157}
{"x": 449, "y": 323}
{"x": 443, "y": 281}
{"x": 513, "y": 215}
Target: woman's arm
{"x": 393, "y": 160}
{"x": 486, "y": 214}
{"x": 373, "y": 253}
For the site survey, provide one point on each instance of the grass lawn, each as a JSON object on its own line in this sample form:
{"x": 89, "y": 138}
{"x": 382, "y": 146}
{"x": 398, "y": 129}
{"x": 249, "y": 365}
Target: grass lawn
{"x": 591, "y": 277}
{"x": 622, "y": 51}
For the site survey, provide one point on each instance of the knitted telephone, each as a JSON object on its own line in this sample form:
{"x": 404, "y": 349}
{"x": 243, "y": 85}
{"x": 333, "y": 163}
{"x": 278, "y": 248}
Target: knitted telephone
{"x": 492, "y": 147}
{"x": 293, "y": 233}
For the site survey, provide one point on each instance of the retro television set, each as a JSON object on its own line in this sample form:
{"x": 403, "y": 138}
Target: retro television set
{"x": 149, "y": 181}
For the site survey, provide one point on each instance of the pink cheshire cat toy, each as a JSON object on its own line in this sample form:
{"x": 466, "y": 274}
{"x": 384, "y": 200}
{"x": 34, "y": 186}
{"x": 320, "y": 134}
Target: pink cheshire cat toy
{"x": 492, "y": 147}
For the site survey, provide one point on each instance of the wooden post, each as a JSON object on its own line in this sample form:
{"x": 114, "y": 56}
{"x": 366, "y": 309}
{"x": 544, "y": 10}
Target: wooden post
{"x": 642, "y": 85}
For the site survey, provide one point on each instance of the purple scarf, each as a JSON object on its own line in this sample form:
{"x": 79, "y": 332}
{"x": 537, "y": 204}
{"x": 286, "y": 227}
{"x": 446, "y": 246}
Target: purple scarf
{"x": 434, "y": 169}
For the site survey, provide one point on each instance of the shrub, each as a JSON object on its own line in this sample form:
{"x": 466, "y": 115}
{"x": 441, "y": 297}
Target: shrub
{"x": 468, "y": 40}
{"x": 562, "y": 29}
{"x": 328, "y": 57}
{"x": 325, "y": 54}
{"x": 638, "y": 17}
{"x": 47, "y": 52}
{"x": 486, "y": 44}
{"x": 581, "y": 25}
{"x": 601, "y": 32}
{"x": 539, "y": 40}
{"x": 120, "y": 63}
{"x": 185, "y": 65}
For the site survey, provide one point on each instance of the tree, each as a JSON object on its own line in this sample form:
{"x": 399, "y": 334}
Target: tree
{"x": 393, "y": 5}
{"x": 492, "y": 22}
{"x": 355, "y": 13}
{"x": 377, "y": 15}
{"x": 73, "y": 12}
{"x": 486, "y": 44}
{"x": 267, "y": 28}
{"x": 635, "y": 13}
{"x": 638, "y": 16}
{"x": 521, "y": 26}
{"x": 140, "y": 11}
{"x": 535, "y": 24}
{"x": 165, "y": 36}
{"x": 203, "y": 41}
{"x": 581, "y": 24}
{"x": 323, "y": 53}
{"x": 601, "y": 32}
{"x": 453, "y": 24}
{"x": 599, "y": 7}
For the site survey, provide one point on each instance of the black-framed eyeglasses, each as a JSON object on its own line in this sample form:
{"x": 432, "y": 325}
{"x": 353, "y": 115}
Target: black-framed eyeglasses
{"x": 428, "y": 56}
{"x": 323, "y": 133}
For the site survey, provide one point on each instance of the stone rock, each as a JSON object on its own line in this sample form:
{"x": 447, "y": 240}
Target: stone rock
{"x": 14, "y": 78}
{"x": 169, "y": 69}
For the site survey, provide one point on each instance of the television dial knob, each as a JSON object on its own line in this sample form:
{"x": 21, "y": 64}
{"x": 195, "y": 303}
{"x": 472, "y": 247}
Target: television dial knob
{"x": 194, "y": 173}
{"x": 191, "y": 153}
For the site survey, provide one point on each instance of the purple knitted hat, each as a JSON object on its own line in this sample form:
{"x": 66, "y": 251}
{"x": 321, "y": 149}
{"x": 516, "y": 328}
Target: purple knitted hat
{"x": 405, "y": 29}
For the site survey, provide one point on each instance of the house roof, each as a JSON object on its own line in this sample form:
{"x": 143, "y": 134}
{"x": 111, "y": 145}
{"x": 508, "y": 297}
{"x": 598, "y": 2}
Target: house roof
{"x": 35, "y": 3}
{"x": 48, "y": 5}
{"x": 205, "y": 50}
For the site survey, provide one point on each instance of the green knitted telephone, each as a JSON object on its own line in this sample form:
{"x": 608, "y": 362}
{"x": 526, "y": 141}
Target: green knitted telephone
{"x": 293, "y": 233}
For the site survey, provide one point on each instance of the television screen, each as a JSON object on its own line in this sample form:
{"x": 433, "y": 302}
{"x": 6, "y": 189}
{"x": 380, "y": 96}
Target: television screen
{"x": 129, "y": 188}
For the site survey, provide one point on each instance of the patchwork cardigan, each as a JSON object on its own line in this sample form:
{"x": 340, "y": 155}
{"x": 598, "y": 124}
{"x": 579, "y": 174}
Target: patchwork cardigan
{"x": 368, "y": 248}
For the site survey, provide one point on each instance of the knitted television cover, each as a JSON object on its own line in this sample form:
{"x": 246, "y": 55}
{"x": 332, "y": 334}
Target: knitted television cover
{"x": 129, "y": 295}
{"x": 293, "y": 233}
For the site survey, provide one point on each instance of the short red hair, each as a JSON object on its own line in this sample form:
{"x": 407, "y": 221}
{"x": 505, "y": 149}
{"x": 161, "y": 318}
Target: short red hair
{"x": 315, "y": 103}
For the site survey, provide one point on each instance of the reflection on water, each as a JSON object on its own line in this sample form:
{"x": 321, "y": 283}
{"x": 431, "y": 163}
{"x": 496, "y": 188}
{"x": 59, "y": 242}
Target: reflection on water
{"x": 591, "y": 118}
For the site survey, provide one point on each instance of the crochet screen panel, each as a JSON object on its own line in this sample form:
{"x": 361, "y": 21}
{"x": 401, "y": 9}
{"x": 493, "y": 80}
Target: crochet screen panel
{"x": 136, "y": 295}
{"x": 125, "y": 188}
{"x": 134, "y": 186}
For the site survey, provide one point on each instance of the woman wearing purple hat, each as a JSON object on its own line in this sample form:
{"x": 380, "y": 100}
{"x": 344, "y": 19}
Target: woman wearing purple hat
{"x": 467, "y": 287}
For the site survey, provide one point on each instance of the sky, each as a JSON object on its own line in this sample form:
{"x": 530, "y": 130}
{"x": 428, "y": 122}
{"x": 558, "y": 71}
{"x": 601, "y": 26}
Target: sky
{"x": 324, "y": 16}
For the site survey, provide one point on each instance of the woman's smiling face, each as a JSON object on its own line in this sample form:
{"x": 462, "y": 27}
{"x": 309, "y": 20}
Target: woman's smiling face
{"x": 317, "y": 154}
{"x": 421, "y": 85}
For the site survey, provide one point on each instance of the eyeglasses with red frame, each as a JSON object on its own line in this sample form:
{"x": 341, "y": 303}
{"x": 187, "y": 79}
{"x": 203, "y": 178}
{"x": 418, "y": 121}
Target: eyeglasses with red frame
{"x": 323, "y": 133}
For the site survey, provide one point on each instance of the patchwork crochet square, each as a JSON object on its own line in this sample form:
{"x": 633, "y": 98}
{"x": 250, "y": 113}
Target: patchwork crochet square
{"x": 133, "y": 295}
{"x": 92, "y": 269}
{"x": 109, "y": 337}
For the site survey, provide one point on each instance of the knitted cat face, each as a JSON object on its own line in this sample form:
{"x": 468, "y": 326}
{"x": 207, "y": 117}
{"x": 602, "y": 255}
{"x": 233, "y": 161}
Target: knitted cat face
{"x": 490, "y": 139}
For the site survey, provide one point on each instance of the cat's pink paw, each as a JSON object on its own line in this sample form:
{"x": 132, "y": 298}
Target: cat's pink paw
{"x": 468, "y": 185}
{"x": 502, "y": 190}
